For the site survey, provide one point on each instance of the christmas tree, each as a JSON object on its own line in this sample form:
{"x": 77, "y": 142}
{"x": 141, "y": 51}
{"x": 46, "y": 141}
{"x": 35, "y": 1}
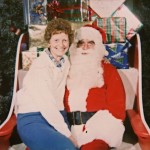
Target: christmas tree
{"x": 11, "y": 26}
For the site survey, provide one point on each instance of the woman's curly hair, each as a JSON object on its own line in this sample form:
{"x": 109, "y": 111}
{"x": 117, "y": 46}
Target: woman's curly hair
{"x": 57, "y": 26}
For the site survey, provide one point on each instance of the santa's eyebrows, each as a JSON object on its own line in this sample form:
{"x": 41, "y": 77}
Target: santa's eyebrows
{"x": 84, "y": 41}
{"x": 91, "y": 42}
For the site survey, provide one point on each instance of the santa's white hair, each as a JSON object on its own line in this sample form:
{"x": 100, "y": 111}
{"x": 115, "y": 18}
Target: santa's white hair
{"x": 86, "y": 71}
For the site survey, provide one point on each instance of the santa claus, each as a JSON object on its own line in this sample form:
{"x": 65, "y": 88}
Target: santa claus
{"x": 95, "y": 96}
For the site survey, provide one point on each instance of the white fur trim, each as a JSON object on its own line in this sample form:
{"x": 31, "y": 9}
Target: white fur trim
{"x": 102, "y": 126}
{"x": 76, "y": 131}
{"x": 79, "y": 135}
{"x": 88, "y": 33}
{"x": 77, "y": 99}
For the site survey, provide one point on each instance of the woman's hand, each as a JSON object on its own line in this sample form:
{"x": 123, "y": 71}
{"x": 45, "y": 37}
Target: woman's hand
{"x": 73, "y": 140}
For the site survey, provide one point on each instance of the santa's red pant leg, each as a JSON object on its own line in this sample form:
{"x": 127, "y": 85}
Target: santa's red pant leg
{"x": 95, "y": 145}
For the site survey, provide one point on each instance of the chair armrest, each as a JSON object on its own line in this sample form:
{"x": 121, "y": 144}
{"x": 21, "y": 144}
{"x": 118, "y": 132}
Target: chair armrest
{"x": 9, "y": 126}
{"x": 137, "y": 124}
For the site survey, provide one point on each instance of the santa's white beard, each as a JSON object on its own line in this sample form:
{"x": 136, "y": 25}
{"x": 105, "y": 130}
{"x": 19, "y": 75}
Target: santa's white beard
{"x": 80, "y": 56}
{"x": 85, "y": 73}
{"x": 86, "y": 70}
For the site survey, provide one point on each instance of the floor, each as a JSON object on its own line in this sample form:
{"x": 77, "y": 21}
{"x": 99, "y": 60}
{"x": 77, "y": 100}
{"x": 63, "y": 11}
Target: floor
{"x": 124, "y": 146}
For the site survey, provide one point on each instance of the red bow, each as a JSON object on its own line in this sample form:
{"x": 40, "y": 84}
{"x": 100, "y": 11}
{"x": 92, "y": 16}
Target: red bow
{"x": 53, "y": 8}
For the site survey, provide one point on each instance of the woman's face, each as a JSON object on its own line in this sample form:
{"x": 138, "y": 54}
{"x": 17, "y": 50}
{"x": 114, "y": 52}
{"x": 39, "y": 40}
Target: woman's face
{"x": 59, "y": 44}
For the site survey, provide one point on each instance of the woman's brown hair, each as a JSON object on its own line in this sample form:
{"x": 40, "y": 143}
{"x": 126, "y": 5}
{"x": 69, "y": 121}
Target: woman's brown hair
{"x": 57, "y": 26}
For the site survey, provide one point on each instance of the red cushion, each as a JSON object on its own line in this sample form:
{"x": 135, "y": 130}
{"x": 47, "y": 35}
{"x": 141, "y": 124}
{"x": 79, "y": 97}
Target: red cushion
{"x": 8, "y": 127}
{"x": 137, "y": 124}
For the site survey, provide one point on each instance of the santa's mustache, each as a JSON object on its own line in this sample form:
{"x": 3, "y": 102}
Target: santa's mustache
{"x": 80, "y": 51}
{"x": 80, "y": 56}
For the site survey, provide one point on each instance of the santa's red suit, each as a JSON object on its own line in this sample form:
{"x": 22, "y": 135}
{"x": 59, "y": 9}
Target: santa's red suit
{"x": 95, "y": 96}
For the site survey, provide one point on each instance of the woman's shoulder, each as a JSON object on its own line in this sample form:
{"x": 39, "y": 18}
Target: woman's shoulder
{"x": 41, "y": 61}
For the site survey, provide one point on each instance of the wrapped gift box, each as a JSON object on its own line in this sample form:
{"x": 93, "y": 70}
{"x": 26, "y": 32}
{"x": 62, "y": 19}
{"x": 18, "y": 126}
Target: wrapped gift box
{"x": 118, "y": 54}
{"x": 36, "y": 36}
{"x": 77, "y": 25}
{"x": 35, "y": 11}
{"x": 28, "y": 57}
{"x": 74, "y": 10}
{"x": 105, "y": 8}
{"x": 93, "y": 15}
{"x": 114, "y": 27}
{"x": 133, "y": 23}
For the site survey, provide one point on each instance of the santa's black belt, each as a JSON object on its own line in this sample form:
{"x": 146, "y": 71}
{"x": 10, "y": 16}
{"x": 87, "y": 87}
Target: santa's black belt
{"x": 78, "y": 117}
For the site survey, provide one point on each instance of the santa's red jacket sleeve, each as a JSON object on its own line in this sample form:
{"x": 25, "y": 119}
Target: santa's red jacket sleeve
{"x": 111, "y": 96}
{"x": 115, "y": 92}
